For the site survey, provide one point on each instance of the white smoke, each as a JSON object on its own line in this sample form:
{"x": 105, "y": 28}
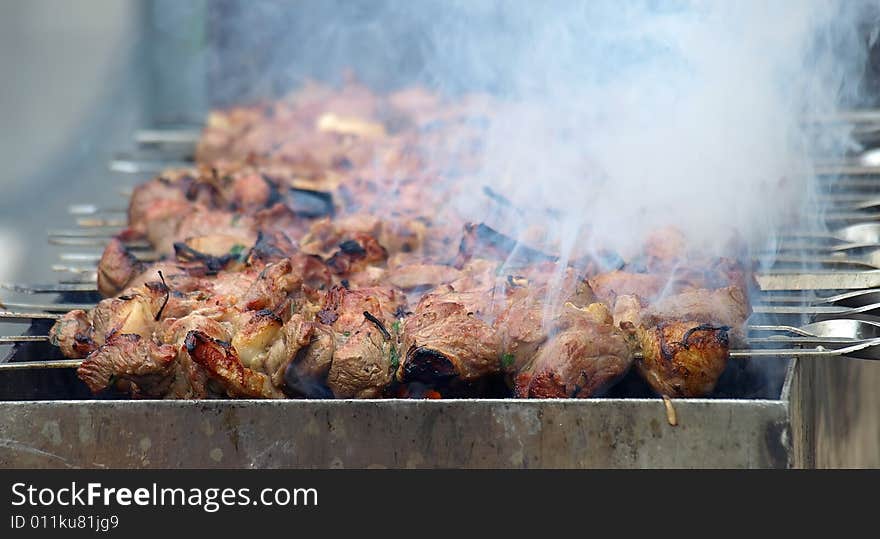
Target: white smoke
{"x": 629, "y": 116}
{"x": 623, "y": 116}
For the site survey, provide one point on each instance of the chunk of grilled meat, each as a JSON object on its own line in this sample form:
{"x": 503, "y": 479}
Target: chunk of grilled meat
{"x": 117, "y": 267}
{"x": 110, "y": 364}
{"x": 72, "y": 333}
{"x": 221, "y": 353}
{"x": 446, "y": 338}
{"x": 685, "y": 338}
{"x": 223, "y": 364}
{"x": 355, "y": 254}
{"x": 364, "y": 345}
{"x": 682, "y": 359}
{"x": 226, "y": 187}
{"x": 583, "y": 355}
{"x": 167, "y": 295}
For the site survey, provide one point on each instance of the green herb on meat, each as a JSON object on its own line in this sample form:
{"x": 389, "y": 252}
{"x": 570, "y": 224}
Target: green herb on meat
{"x": 507, "y": 360}
{"x": 239, "y": 252}
{"x": 395, "y": 358}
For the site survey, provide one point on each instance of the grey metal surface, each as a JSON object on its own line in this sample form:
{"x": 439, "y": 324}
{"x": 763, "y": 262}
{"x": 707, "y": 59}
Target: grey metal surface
{"x": 831, "y": 280}
{"x": 617, "y": 433}
{"x": 836, "y": 411}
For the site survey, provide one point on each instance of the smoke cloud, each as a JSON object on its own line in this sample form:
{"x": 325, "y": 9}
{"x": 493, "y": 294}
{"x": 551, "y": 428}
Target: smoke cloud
{"x": 622, "y": 117}
{"x": 628, "y": 117}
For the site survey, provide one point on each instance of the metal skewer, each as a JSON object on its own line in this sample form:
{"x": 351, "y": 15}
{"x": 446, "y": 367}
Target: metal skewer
{"x": 847, "y": 170}
{"x": 168, "y": 136}
{"x": 91, "y": 209}
{"x": 23, "y": 338}
{"x": 847, "y": 117}
{"x": 81, "y": 233}
{"x": 96, "y": 222}
{"x": 864, "y": 234}
{"x": 856, "y": 298}
{"x": 824, "y": 310}
{"x": 92, "y": 242}
{"x": 135, "y": 166}
{"x": 870, "y": 261}
{"x": 54, "y": 288}
{"x": 83, "y": 275}
{"x": 12, "y": 316}
{"x": 820, "y": 352}
{"x": 45, "y": 307}
{"x": 79, "y": 242}
{"x": 94, "y": 258}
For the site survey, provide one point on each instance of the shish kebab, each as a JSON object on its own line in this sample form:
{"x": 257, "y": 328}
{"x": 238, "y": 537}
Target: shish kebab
{"x": 289, "y": 272}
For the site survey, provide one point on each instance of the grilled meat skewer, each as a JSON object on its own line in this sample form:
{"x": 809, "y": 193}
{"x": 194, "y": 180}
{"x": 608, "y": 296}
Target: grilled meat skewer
{"x": 313, "y": 252}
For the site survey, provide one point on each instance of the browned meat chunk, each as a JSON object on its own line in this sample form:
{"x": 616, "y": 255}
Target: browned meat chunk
{"x": 221, "y": 362}
{"x": 445, "y": 338}
{"x": 685, "y": 337}
{"x": 580, "y": 361}
{"x": 356, "y": 254}
{"x": 682, "y": 359}
{"x": 365, "y": 346}
{"x": 362, "y": 365}
{"x": 522, "y": 330}
{"x": 73, "y": 334}
{"x": 117, "y": 267}
{"x": 148, "y": 368}
{"x": 168, "y": 187}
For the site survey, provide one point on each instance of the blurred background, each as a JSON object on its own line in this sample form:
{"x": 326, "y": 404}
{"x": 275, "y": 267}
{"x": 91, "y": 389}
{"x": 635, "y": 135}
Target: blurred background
{"x": 79, "y": 78}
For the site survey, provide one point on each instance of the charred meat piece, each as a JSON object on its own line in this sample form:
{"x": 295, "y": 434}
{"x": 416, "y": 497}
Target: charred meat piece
{"x": 223, "y": 365}
{"x": 355, "y": 254}
{"x": 215, "y": 253}
{"x": 143, "y": 196}
{"x": 271, "y": 246}
{"x": 522, "y": 330}
{"x": 445, "y": 338}
{"x": 362, "y": 365}
{"x": 396, "y": 235}
{"x": 682, "y": 359}
{"x": 484, "y": 241}
{"x": 306, "y": 374}
{"x": 308, "y": 203}
{"x": 685, "y": 337}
